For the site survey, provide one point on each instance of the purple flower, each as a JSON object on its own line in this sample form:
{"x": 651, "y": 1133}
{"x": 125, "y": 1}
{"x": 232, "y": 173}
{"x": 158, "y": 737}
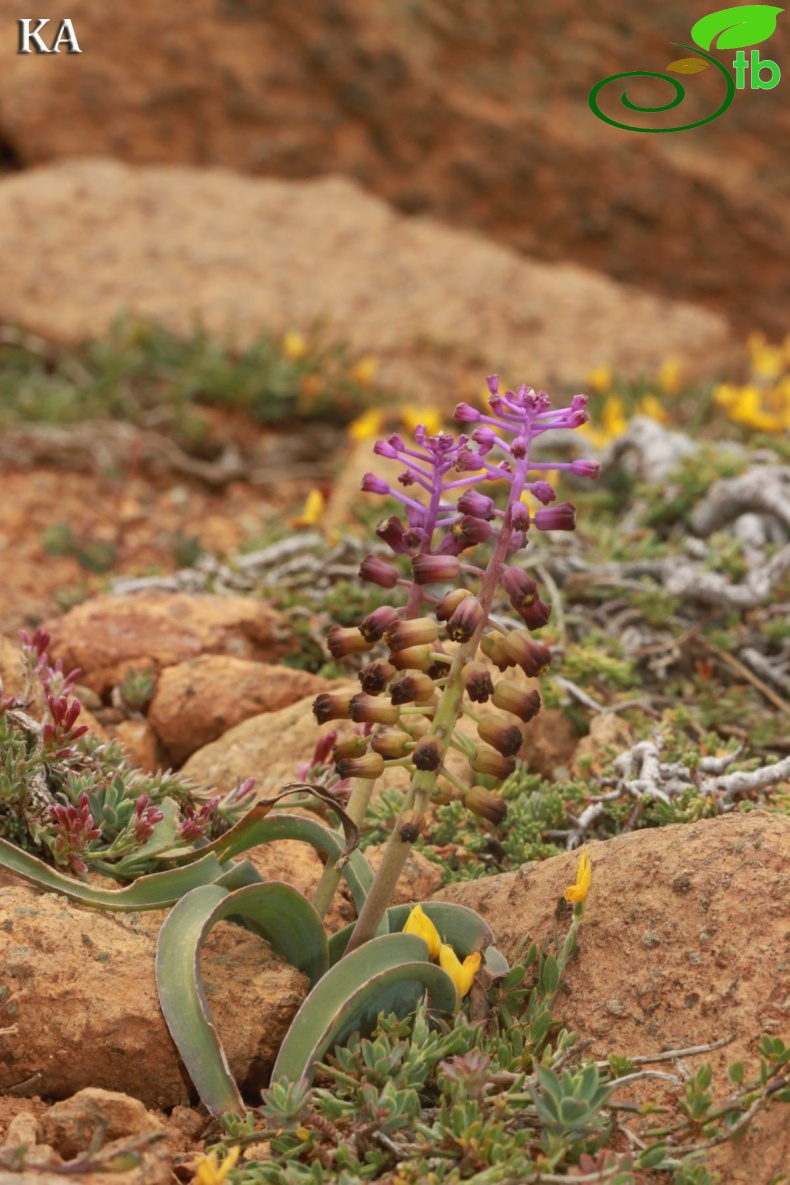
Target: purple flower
{"x": 146, "y": 816}
{"x": 371, "y": 484}
{"x": 561, "y": 517}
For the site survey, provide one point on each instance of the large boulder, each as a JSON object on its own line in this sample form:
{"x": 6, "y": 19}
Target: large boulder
{"x": 475, "y": 113}
{"x": 440, "y": 308}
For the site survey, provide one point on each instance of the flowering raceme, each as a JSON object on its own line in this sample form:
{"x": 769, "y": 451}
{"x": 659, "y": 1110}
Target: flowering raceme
{"x": 432, "y": 672}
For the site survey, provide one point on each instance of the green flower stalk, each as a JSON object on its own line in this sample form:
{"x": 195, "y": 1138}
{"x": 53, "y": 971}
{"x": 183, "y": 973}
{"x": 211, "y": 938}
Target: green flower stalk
{"x": 434, "y": 662}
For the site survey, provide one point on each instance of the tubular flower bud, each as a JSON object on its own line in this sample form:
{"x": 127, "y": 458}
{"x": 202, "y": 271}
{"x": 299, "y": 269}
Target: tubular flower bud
{"x": 391, "y": 744}
{"x": 373, "y": 626}
{"x": 486, "y": 804}
{"x": 533, "y": 657}
{"x": 392, "y": 532}
{"x": 520, "y": 517}
{"x": 374, "y": 678}
{"x": 413, "y": 658}
{"x": 372, "y": 484}
{"x": 511, "y": 698}
{"x": 448, "y": 604}
{"x": 477, "y": 505}
{"x": 492, "y": 646}
{"x": 487, "y": 761}
{"x": 506, "y": 738}
{"x": 478, "y": 682}
{"x": 343, "y": 641}
{"x": 585, "y": 468}
{"x": 427, "y": 754}
{"x": 378, "y": 571}
{"x": 543, "y": 491}
{"x": 420, "y": 924}
{"x": 435, "y": 569}
{"x": 370, "y": 765}
{"x": 411, "y": 825}
{"x": 561, "y": 517}
{"x": 523, "y": 593}
{"x": 371, "y": 709}
{"x": 466, "y": 413}
{"x": 535, "y": 615}
{"x": 415, "y": 631}
{"x": 332, "y": 705}
{"x": 466, "y": 532}
{"x": 411, "y": 688}
{"x": 352, "y": 747}
{"x": 465, "y": 620}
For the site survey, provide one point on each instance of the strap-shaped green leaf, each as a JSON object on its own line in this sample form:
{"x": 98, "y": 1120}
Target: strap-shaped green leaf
{"x": 276, "y": 911}
{"x": 387, "y": 974}
{"x": 158, "y": 890}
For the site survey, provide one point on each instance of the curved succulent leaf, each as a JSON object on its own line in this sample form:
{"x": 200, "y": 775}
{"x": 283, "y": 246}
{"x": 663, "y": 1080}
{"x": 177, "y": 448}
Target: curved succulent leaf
{"x": 276, "y": 911}
{"x": 387, "y": 974}
{"x": 462, "y": 928}
{"x": 158, "y": 890}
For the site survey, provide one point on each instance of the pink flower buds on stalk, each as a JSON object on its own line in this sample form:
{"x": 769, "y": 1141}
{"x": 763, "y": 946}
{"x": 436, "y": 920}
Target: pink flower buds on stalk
{"x": 444, "y": 515}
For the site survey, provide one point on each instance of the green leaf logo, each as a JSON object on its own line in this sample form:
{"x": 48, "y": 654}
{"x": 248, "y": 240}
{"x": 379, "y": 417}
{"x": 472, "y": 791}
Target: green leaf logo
{"x": 748, "y": 24}
{"x": 688, "y": 65}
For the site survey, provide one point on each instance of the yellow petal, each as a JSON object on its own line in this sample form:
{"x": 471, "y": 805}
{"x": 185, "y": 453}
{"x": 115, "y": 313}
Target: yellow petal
{"x": 420, "y": 924}
{"x": 579, "y": 891}
{"x": 294, "y": 346}
{"x": 364, "y": 371}
{"x": 312, "y": 512}
{"x": 412, "y": 417}
{"x": 669, "y": 376}
{"x": 600, "y": 379}
{"x": 367, "y": 426}
{"x": 462, "y": 974}
{"x": 209, "y": 1172}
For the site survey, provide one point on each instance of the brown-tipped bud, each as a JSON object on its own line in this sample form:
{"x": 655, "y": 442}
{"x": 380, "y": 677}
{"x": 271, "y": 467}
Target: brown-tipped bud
{"x": 411, "y": 825}
{"x": 391, "y": 743}
{"x": 332, "y": 705}
{"x": 467, "y": 617}
{"x": 478, "y": 682}
{"x": 487, "y": 761}
{"x": 443, "y": 793}
{"x": 343, "y": 641}
{"x": 523, "y": 593}
{"x": 414, "y": 632}
{"x": 377, "y": 571}
{"x": 493, "y": 646}
{"x": 486, "y": 803}
{"x": 370, "y": 765}
{"x": 506, "y": 738}
{"x": 448, "y": 605}
{"x": 511, "y": 698}
{"x": 371, "y": 709}
{"x": 435, "y": 569}
{"x": 533, "y": 657}
{"x": 353, "y": 747}
{"x": 373, "y": 626}
{"x": 413, "y": 658}
{"x": 411, "y": 688}
{"x": 440, "y": 668}
{"x": 374, "y": 678}
{"x": 427, "y": 754}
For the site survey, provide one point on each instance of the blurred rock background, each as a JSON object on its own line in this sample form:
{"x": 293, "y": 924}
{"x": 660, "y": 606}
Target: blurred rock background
{"x": 473, "y": 114}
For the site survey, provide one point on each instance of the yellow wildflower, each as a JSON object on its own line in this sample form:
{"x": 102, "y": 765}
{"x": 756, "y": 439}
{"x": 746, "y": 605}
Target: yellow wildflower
{"x": 669, "y": 379}
{"x": 364, "y": 371}
{"x": 579, "y": 891}
{"x": 768, "y": 362}
{"x": 294, "y": 346}
{"x": 652, "y": 406}
{"x": 600, "y": 379}
{"x": 312, "y": 512}
{"x": 367, "y": 426}
{"x": 420, "y": 924}
{"x": 211, "y": 1172}
{"x": 412, "y": 417}
{"x": 462, "y": 974}
{"x": 613, "y": 417}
